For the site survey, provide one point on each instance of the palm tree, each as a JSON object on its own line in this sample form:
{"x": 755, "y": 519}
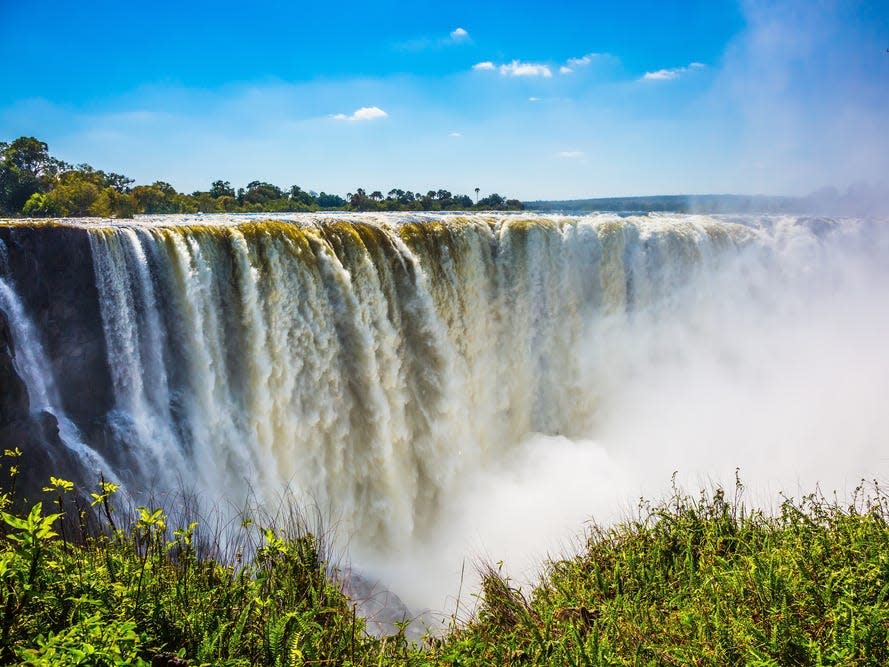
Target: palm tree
{"x": 476, "y": 196}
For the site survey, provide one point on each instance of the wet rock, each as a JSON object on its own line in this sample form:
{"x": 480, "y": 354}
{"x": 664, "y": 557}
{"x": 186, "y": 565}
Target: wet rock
{"x": 385, "y": 614}
{"x": 43, "y": 454}
{"x": 15, "y": 404}
{"x": 52, "y": 268}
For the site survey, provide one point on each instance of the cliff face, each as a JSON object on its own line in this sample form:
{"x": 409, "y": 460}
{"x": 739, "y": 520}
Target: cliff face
{"x": 16, "y": 404}
{"x": 53, "y": 272}
{"x": 50, "y": 269}
{"x": 36, "y": 435}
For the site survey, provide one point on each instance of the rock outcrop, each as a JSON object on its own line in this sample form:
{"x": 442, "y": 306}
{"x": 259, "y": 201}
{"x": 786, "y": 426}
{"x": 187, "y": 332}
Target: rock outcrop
{"x": 36, "y": 435}
{"x": 15, "y": 404}
{"x": 54, "y": 278}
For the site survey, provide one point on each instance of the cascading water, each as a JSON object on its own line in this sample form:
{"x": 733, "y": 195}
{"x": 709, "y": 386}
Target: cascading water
{"x": 362, "y": 362}
{"x": 387, "y": 368}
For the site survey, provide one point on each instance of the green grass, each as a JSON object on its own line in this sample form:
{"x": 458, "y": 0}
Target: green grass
{"x": 690, "y": 581}
{"x": 702, "y": 582}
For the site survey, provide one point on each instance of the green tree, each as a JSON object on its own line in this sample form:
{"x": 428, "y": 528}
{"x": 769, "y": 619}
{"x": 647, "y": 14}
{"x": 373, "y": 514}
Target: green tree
{"x": 330, "y": 201}
{"x": 111, "y": 203}
{"x": 493, "y": 202}
{"x": 221, "y": 189}
{"x": 428, "y": 202}
{"x": 226, "y": 203}
{"x": 118, "y": 182}
{"x": 26, "y": 167}
{"x": 159, "y": 197}
{"x": 203, "y": 201}
{"x": 76, "y": 192}
{"x": 260, "y": 192}
{"x": 360, "y": 201}
{"x": 302, "y": 200}
{"x": 39, "y": 206}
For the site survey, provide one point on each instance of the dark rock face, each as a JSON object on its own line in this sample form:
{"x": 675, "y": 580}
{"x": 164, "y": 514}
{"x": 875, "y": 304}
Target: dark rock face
{"x": 37, "y": 435}
{"x": 43, "y": 454}
{"x": 52, "y": 268}
{"x": 15, "y": 404}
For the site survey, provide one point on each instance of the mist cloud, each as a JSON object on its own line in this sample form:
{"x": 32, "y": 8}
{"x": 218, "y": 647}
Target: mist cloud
{"x": 806, "y": 83}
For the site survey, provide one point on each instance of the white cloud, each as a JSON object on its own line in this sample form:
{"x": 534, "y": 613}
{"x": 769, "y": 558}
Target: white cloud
{"x": 486, "y": 65}
{"x": 517, "y": 68}
{"x": 671, "y": 73}
{"x": 456, "y": 135}
{"x": 570, "y": 154}
{"x": 364, "y": 113}
{"x": 564, "y": 69}
{"x": 533, "y": 99}
{"x": 456, "y": 37}
{"x": 663, "y": 74}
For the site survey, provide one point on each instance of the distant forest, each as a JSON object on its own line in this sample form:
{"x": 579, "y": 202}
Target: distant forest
{"x": 35, "y": 184}
{"x": 860, "y": 199}
{"x": 673, "y": 204}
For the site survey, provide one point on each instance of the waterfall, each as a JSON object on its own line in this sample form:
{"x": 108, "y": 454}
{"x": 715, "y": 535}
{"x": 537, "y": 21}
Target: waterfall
{"x": 366, "y": 362}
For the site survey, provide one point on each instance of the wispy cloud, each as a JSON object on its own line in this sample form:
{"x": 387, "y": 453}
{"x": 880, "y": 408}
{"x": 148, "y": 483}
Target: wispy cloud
{"x": 671, "y": 73}
{"x": 516, "y": 68}
{"x": 459, "y": 34}
{"x": 456, "y": 135}
{"x": 583, "y": 60}
{"x": 573, "y": 63}
{"x": 364, "y": 113}
{"x": 570, "y": 154}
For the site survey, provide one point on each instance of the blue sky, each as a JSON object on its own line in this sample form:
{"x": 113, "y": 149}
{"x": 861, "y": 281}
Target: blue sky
{"x": 534, "y": 100}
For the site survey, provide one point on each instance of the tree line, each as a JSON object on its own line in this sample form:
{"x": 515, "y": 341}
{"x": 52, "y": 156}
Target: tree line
{"x": 35, "y": 184}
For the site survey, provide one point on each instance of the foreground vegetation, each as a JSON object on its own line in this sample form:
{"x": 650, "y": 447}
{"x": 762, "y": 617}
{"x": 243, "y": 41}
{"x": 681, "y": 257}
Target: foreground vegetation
{"x": 33, "y": 183}
{"x": 689, "y": 582}
{"x": 703, "y": 582}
